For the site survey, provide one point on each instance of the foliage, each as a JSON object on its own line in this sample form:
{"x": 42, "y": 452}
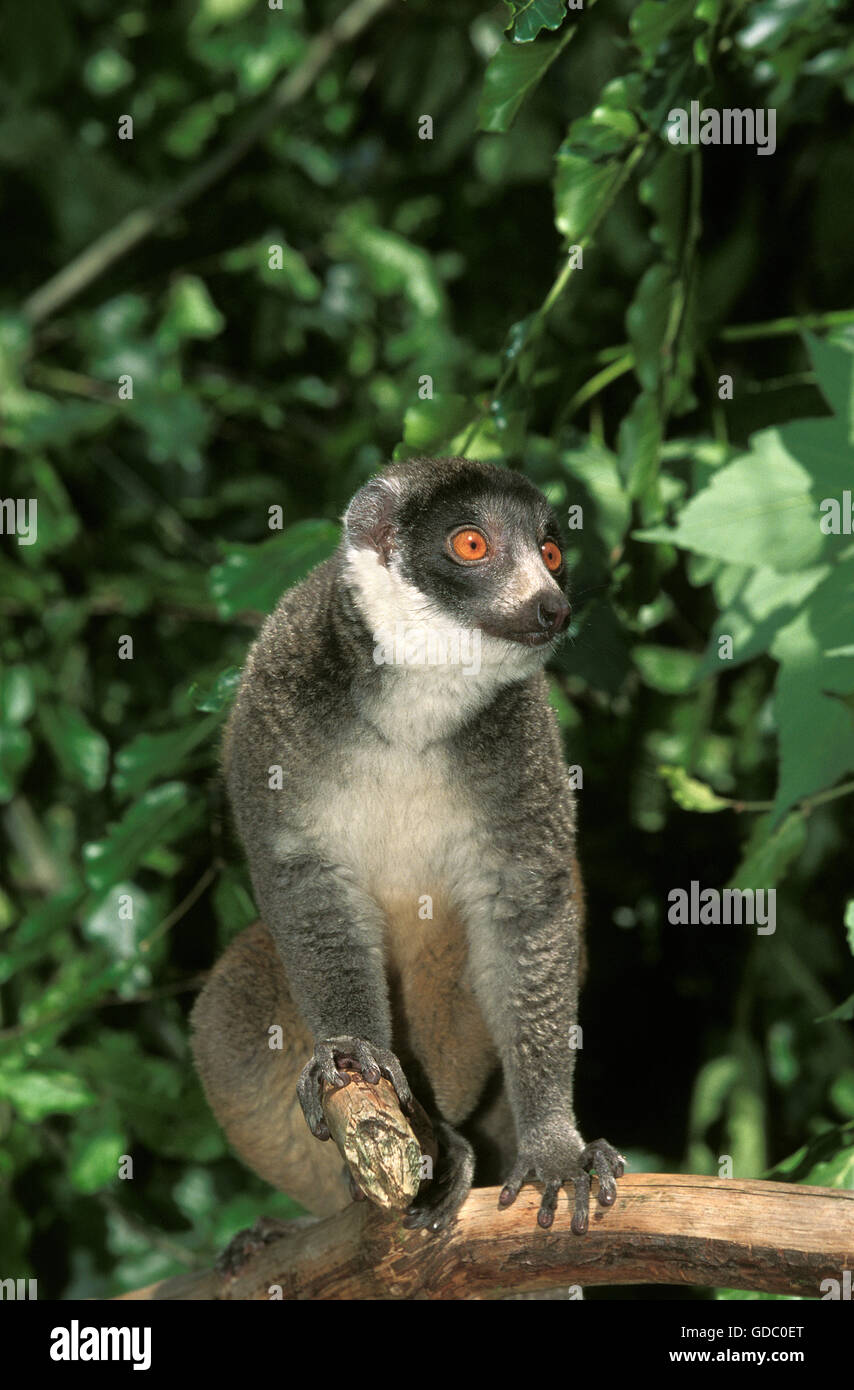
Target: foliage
{"x": 256, "y": 388}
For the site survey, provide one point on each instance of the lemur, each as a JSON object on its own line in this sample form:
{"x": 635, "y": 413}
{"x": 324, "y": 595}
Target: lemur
{"x": 396, "y": 776}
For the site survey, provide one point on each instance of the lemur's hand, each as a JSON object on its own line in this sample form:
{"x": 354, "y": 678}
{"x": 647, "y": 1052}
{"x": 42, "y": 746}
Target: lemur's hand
{"x": 350, "y": 1054}
{"x": 554, "y": 1153}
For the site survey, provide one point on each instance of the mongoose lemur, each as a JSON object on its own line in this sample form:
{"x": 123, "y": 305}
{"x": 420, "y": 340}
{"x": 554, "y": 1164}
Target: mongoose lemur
{"x": 396, "y": 776}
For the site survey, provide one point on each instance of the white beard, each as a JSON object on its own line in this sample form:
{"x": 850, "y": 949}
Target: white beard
{"x": 438, "y": 674}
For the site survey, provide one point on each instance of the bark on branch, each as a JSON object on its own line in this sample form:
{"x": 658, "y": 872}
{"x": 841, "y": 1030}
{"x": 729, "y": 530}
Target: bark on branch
{"x": 381, "y": 1148}
{"x": 664, "y": 1229}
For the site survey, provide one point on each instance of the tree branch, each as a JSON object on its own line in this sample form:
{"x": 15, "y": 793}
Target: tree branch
{"x": 379, "y": 1146}
{"x": 664, "y": 1229}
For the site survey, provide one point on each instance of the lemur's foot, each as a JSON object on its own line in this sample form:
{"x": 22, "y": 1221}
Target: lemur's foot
{"x": 236, "y": 1254}
{"x": 554, "y": 1154}
{"x": 438, "y": 1203}
{"x": 348, "y": 1054}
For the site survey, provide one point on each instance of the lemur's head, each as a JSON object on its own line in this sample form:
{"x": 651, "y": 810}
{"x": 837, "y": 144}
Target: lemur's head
{"x": 450, "y": 543}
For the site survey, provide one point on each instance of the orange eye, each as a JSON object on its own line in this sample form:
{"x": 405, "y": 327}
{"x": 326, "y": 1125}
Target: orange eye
{"x": 551, "y": 555}
{"x": 469, "y": 545}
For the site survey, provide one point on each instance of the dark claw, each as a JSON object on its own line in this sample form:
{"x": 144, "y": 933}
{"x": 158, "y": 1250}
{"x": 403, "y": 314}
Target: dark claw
{"x": 580, "y": 1215}
{"x": 600, "y": 1157}
{"x": 546, "y": 1214}
{"x": 350, "y": 1055}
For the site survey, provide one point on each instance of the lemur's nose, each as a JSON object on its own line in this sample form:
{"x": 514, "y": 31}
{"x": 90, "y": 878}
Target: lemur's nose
{"x": 553, "y": 614}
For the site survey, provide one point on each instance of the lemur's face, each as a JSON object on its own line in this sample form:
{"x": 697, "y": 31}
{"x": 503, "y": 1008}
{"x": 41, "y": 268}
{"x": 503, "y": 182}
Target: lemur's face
{"x": 461, "y": 544}
{"x": 491, "y": 557}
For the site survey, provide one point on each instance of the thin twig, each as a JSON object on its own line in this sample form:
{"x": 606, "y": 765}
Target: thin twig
{"x": 183, "y": 907}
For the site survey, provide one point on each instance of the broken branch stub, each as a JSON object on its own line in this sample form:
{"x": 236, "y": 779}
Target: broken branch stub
{"x": 379, "y": 1145}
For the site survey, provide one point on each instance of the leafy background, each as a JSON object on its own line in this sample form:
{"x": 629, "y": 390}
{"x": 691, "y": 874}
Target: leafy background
{"x": 258, "y": 387}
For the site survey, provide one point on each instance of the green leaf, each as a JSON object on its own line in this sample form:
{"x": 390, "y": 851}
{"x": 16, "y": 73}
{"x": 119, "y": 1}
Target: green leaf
{"x": 175, "y": 422}
{"x": 600, "y": 653}
{"x": 187, "y": 136}
{"x": 836, "y": 1171}
{"x": 393, "y": 264}
{"x": 843, "y": 1013}
{"x": 582, "y": 189}
{"x": 252, "y": 578}
{"x": 17, "y": 698}
{"x": 149, "y": 757}
{"x": 95, "y": 1158}
{"x": 217, "y": 698}
{"x": 822, "y": 1162}
{"x": 160, "y": 816}
{"x": 190, "y": 313}
{"x": 81, "y": 751}
{"x": 293, "y": 276}
{"x": 667, "y": 669}
{"x": 513, "y": 72}
{"x": 712, "y": 1085}
{"x": 530, "y": 16}
{"x": 769, "y": 852}
{"x": 640, "y": 448}
{"x": 647, "y": 319}
{"x": 430, "y": 426}
{"x": 664, "y": 191}
{"x": 688, "y": 792}
{"x": 834, "y": 367}
{"x": 37, "y": 1094}
{"x": 232, "y": 901}
{"x": 745, "y": 1127}
{"x": 756, "y": 605}
{"x": 16, "y": 750}
{"x": 107, "y": 921}
{"x": 842, "y": 1093}
{"x": 590, "y": 160}
{"x": 653, "y": 21}
{"x": 757, "y": 508}
{"x": 57, "y": 521}
{"x": 816, "y": 726}
{"x": 595, "y": 468}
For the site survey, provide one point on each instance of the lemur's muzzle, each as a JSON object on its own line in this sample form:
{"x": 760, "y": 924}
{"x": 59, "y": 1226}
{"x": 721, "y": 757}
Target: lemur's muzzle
{"x": 553, "y": 614}
{"x": 543, "y": 616}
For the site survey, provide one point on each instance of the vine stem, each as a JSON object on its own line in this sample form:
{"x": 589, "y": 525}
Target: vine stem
{"x": 801, "y": 808}
{"x": 778, "y": 328}
{"x": 736, "y": 333}
{"x": 597, "y": 383}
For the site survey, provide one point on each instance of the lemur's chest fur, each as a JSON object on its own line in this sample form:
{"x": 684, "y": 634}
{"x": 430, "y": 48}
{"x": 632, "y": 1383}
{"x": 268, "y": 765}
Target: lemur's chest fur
{"x": 394, "y": 816}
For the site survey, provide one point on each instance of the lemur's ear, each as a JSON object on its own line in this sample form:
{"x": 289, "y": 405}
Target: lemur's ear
{"x": 369, "y": 521}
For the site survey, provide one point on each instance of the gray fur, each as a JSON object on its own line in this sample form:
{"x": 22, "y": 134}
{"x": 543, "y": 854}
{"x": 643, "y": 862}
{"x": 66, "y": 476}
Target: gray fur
{"x": 400, "y": 782}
